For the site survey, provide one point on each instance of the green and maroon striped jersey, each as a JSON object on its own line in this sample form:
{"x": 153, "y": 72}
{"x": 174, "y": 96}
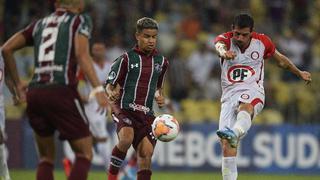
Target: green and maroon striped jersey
{"x": 54, "y": 50}
{"x": 139, "y": 76}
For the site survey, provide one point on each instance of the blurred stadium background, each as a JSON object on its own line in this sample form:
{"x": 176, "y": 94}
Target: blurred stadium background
{"x": 286, "y": 136}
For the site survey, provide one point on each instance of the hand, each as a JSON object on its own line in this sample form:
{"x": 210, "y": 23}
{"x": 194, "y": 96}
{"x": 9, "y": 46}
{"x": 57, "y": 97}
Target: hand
{"x": 20, "y": 93}
{"x": 229, "y": 55}
{"x": 102, "y": 100}
{"x": 306, "y": 76}
{"x": 159, "y": 99}
{"x": 113, "y": 92}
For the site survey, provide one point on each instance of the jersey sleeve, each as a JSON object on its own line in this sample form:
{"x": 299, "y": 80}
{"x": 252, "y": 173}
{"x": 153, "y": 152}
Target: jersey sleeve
{"x": 28, "y": 32}
{"x": 118, "y": 72}
{"x": 225, "y": 37}
{"x": 163, "y": 73}
{"x": 85, "y": 26}
{"x": 269, "y": 46}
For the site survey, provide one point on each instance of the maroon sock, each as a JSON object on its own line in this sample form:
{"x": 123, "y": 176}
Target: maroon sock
{"x": 45, "y": 171}
{"x": 80, "y": 169}
{"x": 116, "y": 160}
{"x": 144, "y": 174}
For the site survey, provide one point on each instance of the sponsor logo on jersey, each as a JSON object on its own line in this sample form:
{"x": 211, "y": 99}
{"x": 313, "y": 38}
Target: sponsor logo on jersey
{"x": 139, "y": 107}
{"x": 239, "y": 73}
{"x": 255, "y": 55}
{"x": 112, "y": 75}
{"x": 48, "y": 69}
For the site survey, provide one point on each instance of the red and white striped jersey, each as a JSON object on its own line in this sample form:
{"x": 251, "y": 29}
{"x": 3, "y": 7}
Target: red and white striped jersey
{"x": 246, "y": 71}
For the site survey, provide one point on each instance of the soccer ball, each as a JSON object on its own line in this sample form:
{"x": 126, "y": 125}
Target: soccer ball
{"x": 165, "y": 128}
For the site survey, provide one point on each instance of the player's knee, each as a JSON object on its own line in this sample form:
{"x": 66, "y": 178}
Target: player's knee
{"x": 89, "y": 156}
{"x": 86, "y": 154}
{"x": 47, "y": 154}
{"x": 146, "y": 154}
{"x": 246, "y": 107}
{"x": 46, "y": 159}
{"x": 124, "y": 144}
{"x": 144, "y": 159}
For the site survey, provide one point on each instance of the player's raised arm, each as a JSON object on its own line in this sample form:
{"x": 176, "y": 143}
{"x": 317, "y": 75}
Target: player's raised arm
{"x": 285, "y": 63}
{"x": 221, "y": 49}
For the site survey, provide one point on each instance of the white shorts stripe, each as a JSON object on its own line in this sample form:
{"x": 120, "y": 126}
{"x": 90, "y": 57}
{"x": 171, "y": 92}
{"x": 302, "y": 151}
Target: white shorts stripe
{"x": 82, "y": 114}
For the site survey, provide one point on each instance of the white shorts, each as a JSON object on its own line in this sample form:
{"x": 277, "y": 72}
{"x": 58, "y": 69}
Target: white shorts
{"x": 97, "y": 120}
{"x": 229, "y": 107}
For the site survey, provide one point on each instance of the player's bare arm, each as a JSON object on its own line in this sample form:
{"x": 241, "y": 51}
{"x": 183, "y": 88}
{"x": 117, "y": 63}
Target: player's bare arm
{"x": 16, "y": 87}
{"x": 113, "y": 92}
{"x": 285, "y": 63}
{"x": 85, "y": 62}
{"x": 18, "y": 96}
{"x": 221, "y": 49}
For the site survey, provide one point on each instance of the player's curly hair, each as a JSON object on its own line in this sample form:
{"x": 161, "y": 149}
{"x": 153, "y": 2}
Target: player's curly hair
{"x": 146, "y": 23}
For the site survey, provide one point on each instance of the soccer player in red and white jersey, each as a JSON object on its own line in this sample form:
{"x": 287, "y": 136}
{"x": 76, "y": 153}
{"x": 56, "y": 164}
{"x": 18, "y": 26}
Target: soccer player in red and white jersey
{"x": 61, "y": 43}
{"x": 243, "y": 53}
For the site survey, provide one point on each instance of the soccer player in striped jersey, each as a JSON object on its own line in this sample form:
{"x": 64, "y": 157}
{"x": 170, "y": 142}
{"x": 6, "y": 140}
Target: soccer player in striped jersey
{"x": 61, "y": 43}
{"x": 97, "y": 116}
{"x": 243, "y": 54}
{"x": 135, "y": 80}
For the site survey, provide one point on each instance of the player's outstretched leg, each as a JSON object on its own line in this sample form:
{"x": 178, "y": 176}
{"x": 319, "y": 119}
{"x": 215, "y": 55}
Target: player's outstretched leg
{"x": 116, "y": 160}
{"x": 229, "y": 135}
{"x": 119, "y": 151}
{"x": 144, "y": 155}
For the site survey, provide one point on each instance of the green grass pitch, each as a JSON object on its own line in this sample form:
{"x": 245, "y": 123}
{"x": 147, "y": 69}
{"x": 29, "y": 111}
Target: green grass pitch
{"x": 97, "y": 175}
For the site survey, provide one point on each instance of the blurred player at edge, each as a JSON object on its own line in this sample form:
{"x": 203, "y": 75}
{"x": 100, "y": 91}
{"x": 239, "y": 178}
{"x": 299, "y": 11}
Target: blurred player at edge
{"x": 60, "y": 43}
{"x": 135, "y": 80}
{"x": 4, "y": 172}
{"x": 243, "y": 53}
{"x": 97, "y": 116}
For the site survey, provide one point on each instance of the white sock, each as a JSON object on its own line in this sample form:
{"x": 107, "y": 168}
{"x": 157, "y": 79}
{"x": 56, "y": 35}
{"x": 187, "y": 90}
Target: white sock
{"x": 68, "y": 153}
{"x": 242, "y": 124}
{"x": 103, "y": 150}
{"x": 229, "y": 168}
{"x": 4, "y": 172}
